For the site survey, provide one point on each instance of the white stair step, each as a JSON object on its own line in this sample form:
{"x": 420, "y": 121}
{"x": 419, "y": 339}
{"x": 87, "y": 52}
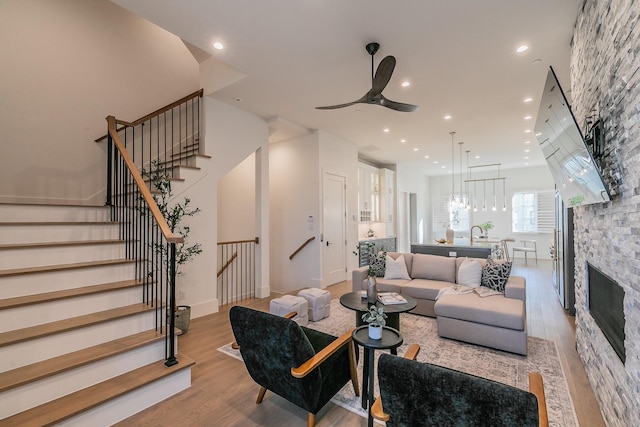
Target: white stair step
{"x": 106, "y": 403}
{"x": 39, "y": 254}
{"x": 31, "y": 212}
{"x": 40, "y": 231}
{"x": 18, "y": 353}
{"x": 41, "y": 279}
{"x": 52, "y": 311}
{"x": 53, "y": 387}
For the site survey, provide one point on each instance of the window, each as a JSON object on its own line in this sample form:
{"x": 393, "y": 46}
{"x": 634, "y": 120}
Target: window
{"x": 533, "y": 212}
{"x": 446, "y": 215}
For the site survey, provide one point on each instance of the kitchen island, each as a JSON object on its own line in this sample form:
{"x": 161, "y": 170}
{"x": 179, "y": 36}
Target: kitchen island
{"x": 452, "y": 250}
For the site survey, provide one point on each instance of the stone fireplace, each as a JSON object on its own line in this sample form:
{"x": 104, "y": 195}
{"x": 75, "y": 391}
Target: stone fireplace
{"x": 605, "y": 82}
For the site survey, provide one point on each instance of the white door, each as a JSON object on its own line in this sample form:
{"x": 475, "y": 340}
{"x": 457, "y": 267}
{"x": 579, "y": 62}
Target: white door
{"x": 334, "y": 229}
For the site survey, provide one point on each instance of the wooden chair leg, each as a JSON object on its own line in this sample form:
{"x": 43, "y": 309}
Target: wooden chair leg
{"x": 353, "y": 368}
{"x": 311, "y": 420}
{"x": 261, "y": 395}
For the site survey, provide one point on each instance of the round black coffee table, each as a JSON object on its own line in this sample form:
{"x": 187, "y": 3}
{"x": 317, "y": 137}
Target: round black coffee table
{"x": 391, "y": 340}
{"x": 354, "y": 301}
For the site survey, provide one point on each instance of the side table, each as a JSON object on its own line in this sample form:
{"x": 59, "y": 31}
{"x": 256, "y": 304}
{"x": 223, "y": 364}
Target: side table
{"x": 391, "y": 339}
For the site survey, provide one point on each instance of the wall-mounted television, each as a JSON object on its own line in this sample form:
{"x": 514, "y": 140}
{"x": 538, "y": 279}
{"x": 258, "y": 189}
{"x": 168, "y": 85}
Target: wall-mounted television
{"x": 576, "y": 175}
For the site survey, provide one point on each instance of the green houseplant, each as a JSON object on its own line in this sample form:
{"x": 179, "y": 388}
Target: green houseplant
{"x": 375, "y": 317}
{"x": 174, "y": 213}
{"x": 486, "y": 226}
{"x": 376, "y": 259}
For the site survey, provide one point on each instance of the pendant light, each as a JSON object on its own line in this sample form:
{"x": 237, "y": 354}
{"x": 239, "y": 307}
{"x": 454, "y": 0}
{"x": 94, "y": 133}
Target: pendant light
{"x": 468, "y": 206}
{"x": 493, "y": 208}
{"x": 475, "y": 196}
{"x": 484, "y": 196}
{"x": 453, "y": 189}
{"x": 461, "y": 204}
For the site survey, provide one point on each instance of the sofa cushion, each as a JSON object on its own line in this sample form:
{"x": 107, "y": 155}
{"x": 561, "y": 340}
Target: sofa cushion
{"x": 434, "y": 267}
{"x": 390, "y": 285}
{"x": 424, "y": 288}
{"x": 396, "y": 268}
{"x": 470, "y": 273}
{"x": 408, "y": 259}
{"x": 495, "y": 274}
{"x": 495, "y": 310}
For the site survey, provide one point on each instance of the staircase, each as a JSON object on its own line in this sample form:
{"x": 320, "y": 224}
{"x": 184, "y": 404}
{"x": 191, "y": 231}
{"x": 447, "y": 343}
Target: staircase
{"x": 79, "y": 346}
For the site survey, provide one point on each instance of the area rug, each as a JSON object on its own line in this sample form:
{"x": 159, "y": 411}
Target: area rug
{"x": 496, "y": 365}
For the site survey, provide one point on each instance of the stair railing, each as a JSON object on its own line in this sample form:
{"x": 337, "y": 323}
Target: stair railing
{"x": 237, "y": 277}
{"x": 144, "y": 230}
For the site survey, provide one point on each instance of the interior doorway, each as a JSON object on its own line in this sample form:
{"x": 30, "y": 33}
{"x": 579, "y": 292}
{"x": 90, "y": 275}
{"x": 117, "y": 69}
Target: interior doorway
{"x": 334, "y": 261}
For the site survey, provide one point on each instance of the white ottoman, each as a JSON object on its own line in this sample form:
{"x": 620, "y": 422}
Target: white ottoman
{"x": 319, "y": 303}
{"x": 288, "y": 303}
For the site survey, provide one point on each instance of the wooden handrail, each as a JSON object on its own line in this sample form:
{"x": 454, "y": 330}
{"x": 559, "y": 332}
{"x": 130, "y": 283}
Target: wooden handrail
{"x": 309, "y": 240}
{"x": 155, "y": 113}
{"x": 227, "y": 264}
{"x": 146, "y": 194}
{"x": 255, "y": 240}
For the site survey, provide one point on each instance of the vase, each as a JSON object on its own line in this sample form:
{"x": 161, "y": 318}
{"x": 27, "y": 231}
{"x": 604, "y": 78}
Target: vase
{"x": 183, "y": 318}
{"x": 372, "y": 290}
{"x": 375, "y": 332}
{"x": 449, "y": 234}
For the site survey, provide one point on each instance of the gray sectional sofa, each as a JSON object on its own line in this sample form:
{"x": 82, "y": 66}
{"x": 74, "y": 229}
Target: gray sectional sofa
{"x": 497, "y": 321}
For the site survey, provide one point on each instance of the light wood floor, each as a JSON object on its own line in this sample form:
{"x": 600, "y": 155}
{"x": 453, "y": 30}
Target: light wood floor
{"x": 223, "y": 394}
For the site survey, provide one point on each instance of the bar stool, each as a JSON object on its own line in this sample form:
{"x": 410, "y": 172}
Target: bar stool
{"x": 526, "y": 249}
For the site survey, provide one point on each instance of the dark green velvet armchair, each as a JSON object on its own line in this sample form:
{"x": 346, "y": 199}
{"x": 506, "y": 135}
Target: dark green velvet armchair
{"x": 422, "y": 394}
{"x": 304, "y": 366}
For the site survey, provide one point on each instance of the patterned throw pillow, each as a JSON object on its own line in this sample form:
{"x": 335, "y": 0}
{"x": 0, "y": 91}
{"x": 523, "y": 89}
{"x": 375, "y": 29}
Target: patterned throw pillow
{"x": 495, "y": 274}
{"x": 377, "y": 264}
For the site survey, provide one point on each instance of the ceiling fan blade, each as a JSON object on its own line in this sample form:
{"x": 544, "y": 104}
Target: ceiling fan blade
{"x": 383, "y": 75}
{"x": 398, "y": 106}
{"x": 333, "y": 107}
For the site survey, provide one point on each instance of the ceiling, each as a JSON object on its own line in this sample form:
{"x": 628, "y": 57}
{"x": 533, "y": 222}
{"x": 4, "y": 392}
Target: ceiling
{"x": 459, "y": 56}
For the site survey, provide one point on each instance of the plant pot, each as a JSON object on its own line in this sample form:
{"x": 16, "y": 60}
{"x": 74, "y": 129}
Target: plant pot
{"x": 372, "y": 290}
{"x": 375, "y": 332}
{"x": 183, "y": 317}
{"x": 449, "y": 233}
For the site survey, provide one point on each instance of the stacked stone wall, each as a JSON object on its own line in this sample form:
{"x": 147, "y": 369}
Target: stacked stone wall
{"x": 605, "y": 80}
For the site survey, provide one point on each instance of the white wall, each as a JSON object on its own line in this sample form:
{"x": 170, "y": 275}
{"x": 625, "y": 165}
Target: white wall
{"x": 66, "y": 65}
{"x": 237, "y": 202}
{"x": 340, "y": 157}
{"x": 412, "y": 180}
{"x": 232, "y": 136}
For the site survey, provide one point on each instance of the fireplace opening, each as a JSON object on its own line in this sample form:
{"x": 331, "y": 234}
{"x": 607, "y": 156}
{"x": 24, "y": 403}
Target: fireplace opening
{"x": 606, "y": 305}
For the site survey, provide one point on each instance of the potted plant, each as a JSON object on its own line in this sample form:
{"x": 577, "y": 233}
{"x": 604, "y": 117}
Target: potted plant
{"x": 375, "y": 317}
{"x": 486, "y": 226}
{"x": 173, "y": 213}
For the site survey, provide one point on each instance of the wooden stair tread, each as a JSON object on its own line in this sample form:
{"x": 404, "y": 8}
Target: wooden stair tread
{"x": 33, "y": 332}
{"x": 67, "y": 293}
{"x": 57, "y": 205}
{"x": 186, "y": 156}
{"x": 61, "y": 267}
{"x": 50, "y": 367}
{"x": 61, "y": 244}
{"x": 73, "y": 404}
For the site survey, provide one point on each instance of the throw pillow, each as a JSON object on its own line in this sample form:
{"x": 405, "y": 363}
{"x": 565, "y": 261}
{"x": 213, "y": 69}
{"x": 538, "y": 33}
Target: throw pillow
{"x": 377, "y": 264}
{"x": 396, "y": 268}
{"x": 495, "y": 274}
{"x": 470, "y": 273}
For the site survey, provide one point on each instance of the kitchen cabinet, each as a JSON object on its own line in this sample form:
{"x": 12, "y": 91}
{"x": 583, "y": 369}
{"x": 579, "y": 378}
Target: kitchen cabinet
{"x": 368, "y": 193}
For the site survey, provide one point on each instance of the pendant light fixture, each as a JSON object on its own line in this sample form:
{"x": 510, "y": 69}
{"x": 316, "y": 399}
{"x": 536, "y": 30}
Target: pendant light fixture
{"x": 484, "y": 196}
{"x": 475, "y": 196}
{"x": 493, "y": 208}
{"x": 466, "y": 183}
{"x": 461, "y": 203}
{"x": 453, "y": 189}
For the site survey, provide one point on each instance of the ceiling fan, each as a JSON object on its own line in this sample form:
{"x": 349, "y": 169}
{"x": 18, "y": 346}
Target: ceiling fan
{"x": 378, "y": 83}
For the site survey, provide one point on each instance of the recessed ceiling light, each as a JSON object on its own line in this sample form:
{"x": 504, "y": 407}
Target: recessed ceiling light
{"x": 478, "y": 156}
{"x": 526, "y": 163}
{"x": 403, "y": 141}
{"x": 405, "y": 84}
{"x": 426, "y": 157}
{"x": 443, "y": 166}
{"x": 385, "y": 130}
{"x": 527, "y": 142}
{"x": 538, "y": 133}
{"x": 527, "y": 150}
{"x": 528, "y": 117}
{"x": 527, "y": 100}
{"x": 536, "y": 61}
{"x": 435, "y": 162}
{"x": 447, "y": 117}
{"x": 522, "y": 48}
{"x": 526, "y": 157}
{"x": 527, "y": 131}
{"x": 218, "y": 45}
{"x": 415, "y": 149}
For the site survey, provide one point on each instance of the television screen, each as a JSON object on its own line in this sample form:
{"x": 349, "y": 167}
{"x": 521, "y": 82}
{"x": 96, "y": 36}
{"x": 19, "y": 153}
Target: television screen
{"x": 576, "y": 175}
